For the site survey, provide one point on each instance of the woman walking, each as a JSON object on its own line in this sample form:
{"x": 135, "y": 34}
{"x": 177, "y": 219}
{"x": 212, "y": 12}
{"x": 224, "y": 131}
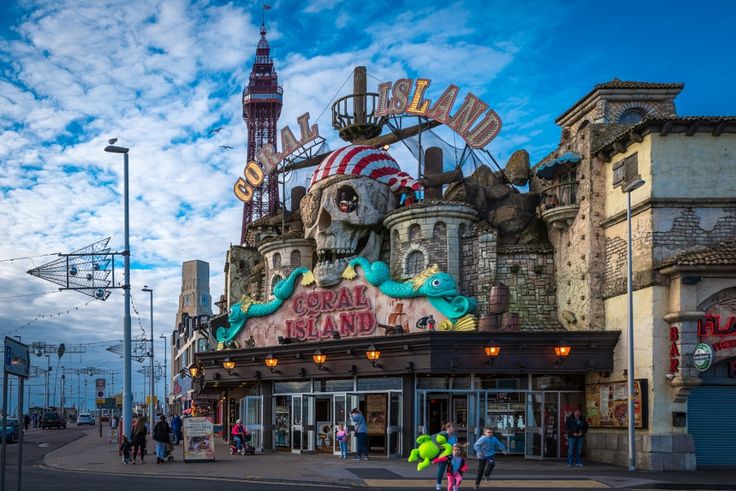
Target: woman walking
{"x": 161, "y": 437}
{"x": 138, "y": 438}
{"x": 448, "y": 431}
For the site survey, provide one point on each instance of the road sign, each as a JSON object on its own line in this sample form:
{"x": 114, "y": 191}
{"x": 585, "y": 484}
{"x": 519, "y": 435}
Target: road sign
{"x": 109, "y": 403}
{"x": 17, "y": 361}
{"x": 100, "y": 401}
{"x": 148, "y": 400}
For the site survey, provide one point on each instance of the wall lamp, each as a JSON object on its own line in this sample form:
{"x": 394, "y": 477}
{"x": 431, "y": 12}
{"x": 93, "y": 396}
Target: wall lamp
{"x": 228, "y": 365}
{"x": 562, "y": 351}
{"x": 373, "y": 355}
{"x": 320, "y": 359}
{"x": 271, "y": 362}
{"x": 492, "y": 350}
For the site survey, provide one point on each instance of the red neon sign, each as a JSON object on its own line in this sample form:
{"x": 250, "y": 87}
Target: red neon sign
{"x": 711, "y": 326}
{"x": 674, "y": 352}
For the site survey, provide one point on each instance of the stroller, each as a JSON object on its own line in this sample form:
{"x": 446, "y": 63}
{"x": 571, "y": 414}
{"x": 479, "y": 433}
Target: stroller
{"x": 245, "y": 448}
{"x": 169, "y": 449}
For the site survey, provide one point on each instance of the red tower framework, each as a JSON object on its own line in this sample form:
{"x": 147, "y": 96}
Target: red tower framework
{"x": 261, "y": 109}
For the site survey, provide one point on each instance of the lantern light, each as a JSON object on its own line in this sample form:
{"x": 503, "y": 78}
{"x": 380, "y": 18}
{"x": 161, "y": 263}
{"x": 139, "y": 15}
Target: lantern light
{"x": 193, "y": 371}
{"x": 492, "y": 350}
{"x": 271, "y": 362}
{"x": 228, "y": 365}
{"x": 319, "y": 359}
{"x": 562, "y": 351}
{"x": 373, "y": 354}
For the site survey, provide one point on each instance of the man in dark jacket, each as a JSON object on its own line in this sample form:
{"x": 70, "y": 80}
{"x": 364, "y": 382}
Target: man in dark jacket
{"x": 161, "y": 437}
{"x": 576, "y": 427}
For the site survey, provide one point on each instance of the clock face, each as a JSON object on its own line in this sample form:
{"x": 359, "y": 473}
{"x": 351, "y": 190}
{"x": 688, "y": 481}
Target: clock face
{"x": 187, "y": 300}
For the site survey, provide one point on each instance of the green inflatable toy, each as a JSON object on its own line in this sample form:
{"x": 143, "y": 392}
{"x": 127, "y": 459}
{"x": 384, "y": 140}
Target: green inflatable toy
{"x": 429, "y": 450}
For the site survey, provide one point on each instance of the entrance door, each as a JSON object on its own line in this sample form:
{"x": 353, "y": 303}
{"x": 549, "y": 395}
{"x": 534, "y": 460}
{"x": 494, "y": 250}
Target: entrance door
{"x": 253, "y": 419}
{"x": 437, "y": 412}
{"x": 393, "y": 428}
{"x": 551, "y": 431}
{"x": 296, "y": 424}
{"x": 534, "y": 422}
{"x": 459, "y": 416}
{"x": 325, "y": 424}
{"x": 309, "y": 423}
{"x": 352, "y": 401}
{"x": 341, "y": 418}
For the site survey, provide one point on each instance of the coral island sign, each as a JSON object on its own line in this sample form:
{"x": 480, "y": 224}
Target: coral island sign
{"x": 320, "y": 313}
{"x": 394, "y": 98}
{"x": 397, "y": 98}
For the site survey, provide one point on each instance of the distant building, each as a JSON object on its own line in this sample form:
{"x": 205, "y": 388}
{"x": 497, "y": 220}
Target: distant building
{"x": 195, "y": 307}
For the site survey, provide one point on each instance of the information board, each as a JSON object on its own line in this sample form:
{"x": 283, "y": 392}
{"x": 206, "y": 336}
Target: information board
{"x": 199, "y": 438}
{"x": 606, "y": 404}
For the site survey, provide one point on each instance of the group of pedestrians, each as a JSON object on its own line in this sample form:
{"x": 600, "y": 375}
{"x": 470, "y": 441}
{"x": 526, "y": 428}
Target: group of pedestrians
{"x": 133, "y": 448}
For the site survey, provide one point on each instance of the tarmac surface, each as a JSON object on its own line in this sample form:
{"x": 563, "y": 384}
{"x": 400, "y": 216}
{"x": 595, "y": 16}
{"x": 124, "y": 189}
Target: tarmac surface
{"x": 92, "y": 454}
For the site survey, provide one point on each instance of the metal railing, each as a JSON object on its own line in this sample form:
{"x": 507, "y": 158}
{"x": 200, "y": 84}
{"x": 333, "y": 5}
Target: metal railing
{"x": 556, "y": 195}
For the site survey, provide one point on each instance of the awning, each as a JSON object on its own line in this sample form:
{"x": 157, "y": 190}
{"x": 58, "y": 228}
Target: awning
{"x": 553, "y": 168}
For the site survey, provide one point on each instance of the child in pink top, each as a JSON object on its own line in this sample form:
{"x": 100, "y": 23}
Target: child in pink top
{"x": 455, "y": 467}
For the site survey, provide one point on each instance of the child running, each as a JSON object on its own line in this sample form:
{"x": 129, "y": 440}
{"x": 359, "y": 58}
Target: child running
{"x": 455, "y": 467}
{"x": 485, "y": 449}
{"x": 125, "y": 449}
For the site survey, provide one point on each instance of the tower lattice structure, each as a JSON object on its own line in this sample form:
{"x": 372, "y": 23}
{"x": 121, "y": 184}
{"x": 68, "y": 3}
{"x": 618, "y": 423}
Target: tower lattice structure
{"x": 262, "y": 100}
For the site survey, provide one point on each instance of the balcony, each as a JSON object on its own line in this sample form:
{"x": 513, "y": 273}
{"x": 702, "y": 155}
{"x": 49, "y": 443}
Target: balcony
{"x": 559, "y": 205}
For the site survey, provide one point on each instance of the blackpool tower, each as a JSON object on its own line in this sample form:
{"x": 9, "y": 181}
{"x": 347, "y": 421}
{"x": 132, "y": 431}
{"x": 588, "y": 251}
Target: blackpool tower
{"x": 262, "y": 99}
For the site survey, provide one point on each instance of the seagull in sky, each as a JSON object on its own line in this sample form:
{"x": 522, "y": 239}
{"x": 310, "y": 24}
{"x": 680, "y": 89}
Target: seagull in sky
{"x": 215, "y": 130}
{"x": 226, "y": 147}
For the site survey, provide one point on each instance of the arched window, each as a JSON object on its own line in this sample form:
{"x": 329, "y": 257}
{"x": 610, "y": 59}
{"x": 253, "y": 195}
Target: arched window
{"x": 415, "y": 233}
{"x": 414, "y": 263}
{"x": 274, "y": 282}
{"x": 395, "y": 239}
{"x": 276, "y": 261}
{"x": 440, "y": 231}
{"x": 631, "y": 116}
{"x": 296, "y": 259}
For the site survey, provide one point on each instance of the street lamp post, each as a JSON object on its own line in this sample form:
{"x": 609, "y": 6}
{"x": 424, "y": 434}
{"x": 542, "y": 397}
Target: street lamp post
{"x": 151, "y": 407}
{"x": 127, "y": 375}
{"x": 165, "y": 405}
{"x": 48, "y": 369}
{"x": 630, "y": 320}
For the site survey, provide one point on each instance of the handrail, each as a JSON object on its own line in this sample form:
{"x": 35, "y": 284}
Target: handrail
{"x": 561, "y": 194}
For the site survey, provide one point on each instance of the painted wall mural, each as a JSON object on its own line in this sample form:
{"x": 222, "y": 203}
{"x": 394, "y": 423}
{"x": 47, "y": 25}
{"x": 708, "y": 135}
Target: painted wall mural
{"x": 365, "y": 303}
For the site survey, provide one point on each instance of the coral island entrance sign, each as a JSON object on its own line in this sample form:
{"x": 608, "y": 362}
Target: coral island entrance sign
{"x": 394, "y": 98}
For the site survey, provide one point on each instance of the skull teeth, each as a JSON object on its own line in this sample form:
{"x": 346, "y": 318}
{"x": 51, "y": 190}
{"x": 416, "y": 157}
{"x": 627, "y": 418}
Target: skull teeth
{"x": 334, "y": 255}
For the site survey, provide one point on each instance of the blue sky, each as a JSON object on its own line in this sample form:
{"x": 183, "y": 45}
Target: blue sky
{"x": 159, "y": 75}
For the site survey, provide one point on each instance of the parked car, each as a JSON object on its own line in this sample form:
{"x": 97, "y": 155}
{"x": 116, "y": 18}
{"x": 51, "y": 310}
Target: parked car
{"x": 12, "y": 430}
{"x": 85, "y": 419}
{"x": 52, "y": 420}
{"x": 105, "y": 418}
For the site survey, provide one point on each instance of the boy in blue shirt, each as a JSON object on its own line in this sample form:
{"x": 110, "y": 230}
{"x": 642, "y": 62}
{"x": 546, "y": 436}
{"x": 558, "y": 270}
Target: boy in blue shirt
{"x": 485, "y": 449}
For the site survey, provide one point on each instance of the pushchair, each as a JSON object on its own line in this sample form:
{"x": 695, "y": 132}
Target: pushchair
{"x": 169, "y": 449}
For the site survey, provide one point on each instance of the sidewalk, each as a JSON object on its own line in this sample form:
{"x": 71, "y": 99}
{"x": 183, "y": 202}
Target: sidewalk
{"x": 93, "y": 454}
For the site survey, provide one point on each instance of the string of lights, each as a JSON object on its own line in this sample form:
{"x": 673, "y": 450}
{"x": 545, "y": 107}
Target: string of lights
{"x": 12, "y": 259}
{"x": 47, "y": 316}
{"x": 41, "y": 294}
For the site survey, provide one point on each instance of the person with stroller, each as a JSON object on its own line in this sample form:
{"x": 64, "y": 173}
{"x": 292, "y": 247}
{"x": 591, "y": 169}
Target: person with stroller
{"x": 161, "y": 437}
{"x": 239, "y": 435}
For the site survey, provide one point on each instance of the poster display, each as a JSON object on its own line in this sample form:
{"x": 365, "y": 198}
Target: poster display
{"x": 199, "y": 439}
{"x": 607, "y": 404}
{"x": 376, "y": 406}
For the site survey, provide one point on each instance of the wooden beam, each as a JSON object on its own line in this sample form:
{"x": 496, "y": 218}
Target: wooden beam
{"x": 692, "y": 129}
{"x": 719, "y": 128}
{"x": 619, "y": 146}
{"x": 635, "y": 136}
{"x": 666, "y": 128}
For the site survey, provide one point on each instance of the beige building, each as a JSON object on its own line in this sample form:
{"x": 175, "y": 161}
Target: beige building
{"x": 684, "y": 266}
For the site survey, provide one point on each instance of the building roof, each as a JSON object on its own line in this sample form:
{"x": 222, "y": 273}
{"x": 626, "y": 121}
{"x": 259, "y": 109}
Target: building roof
{"x": 622, "y": 84}
{"x": 664, "y": 126}
{"x": 721, "y": 254}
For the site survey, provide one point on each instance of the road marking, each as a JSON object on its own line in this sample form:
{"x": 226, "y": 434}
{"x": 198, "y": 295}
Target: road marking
{"x": 495, "y": 483}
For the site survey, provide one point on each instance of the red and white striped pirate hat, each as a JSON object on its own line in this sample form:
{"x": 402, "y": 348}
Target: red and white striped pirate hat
{"x": 362, "y": 160}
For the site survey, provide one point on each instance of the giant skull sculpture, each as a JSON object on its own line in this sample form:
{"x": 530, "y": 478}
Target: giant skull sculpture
{"x": 351, "y": 192}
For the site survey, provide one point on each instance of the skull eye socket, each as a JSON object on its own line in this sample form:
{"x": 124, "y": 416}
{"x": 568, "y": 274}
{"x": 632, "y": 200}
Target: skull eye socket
{"x": 347, "y": 199}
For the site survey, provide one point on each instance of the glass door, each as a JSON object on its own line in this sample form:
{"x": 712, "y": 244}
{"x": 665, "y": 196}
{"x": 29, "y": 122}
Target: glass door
{"x": 534, "y": 425}
{"x": 282, "y": 422}
{"x": 473, "y": 421}
{"x": 309, "y": 422}
{"x": 460, "y": 416}
{"x": 551, "y": 430}
{"x": 393, "y": 429}
{"x": 253, "y": 419}
{"x": 341, "y": 418}
{"x": 352, "y": 401}
{"x": 296, "y": 424}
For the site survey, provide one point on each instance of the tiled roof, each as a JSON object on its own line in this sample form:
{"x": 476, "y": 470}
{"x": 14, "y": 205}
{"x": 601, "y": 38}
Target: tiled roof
{"x": 721, "y": 254}
{"x": 622, "y": 84}
{"x": 715, "y": 124}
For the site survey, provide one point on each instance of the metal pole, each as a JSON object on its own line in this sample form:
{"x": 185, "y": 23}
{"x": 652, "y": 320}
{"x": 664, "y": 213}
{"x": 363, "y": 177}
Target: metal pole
{"x": 5, "y": 424}
{"x": 127, "y": 375}
{"x": 48, "y": 369}
{"x": 21, "y": 428}
{"x": 165, "y": 405}
{"x": 630, "y": 346}
{"x": 153, "y": 387}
